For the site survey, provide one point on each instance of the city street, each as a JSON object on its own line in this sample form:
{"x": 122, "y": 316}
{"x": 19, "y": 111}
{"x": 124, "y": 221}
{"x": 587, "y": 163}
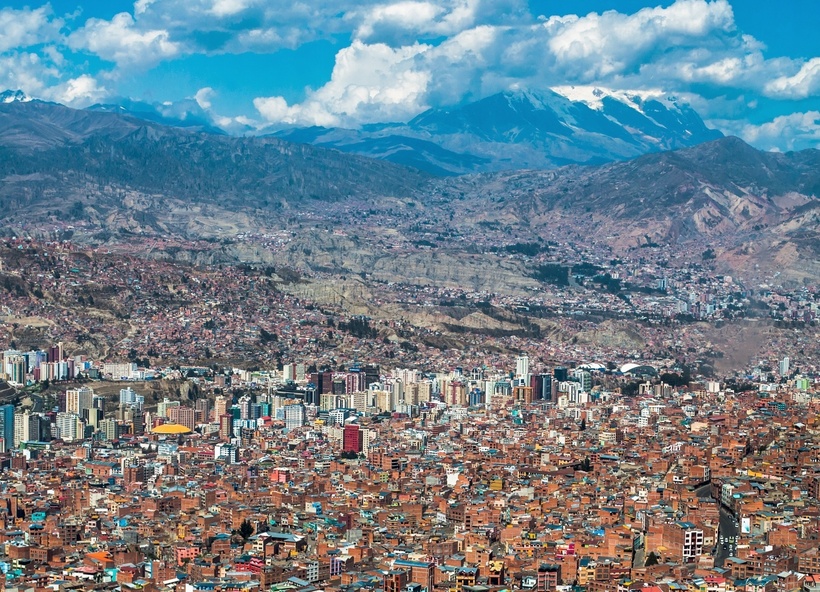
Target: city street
{"x": 727, "y": 529}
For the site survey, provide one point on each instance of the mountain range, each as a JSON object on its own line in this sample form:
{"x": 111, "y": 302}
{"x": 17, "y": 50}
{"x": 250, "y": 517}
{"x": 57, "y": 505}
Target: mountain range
{"x": 63, "y": 150}
{"x": 518, "y": 130}
{"x": 506, "y": 131}
{"x": 106, "y": 172}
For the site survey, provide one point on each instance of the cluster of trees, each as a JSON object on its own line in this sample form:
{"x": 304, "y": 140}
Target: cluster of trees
{"x": 528, "y": 249}
{"x": 133, "y": 356}
{"x": 552, "y": 273}
{"x": 674, "y": 379}
{"x": 359, "y": 327}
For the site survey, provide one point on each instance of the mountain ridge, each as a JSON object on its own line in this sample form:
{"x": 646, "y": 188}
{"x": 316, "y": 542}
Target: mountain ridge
{"x": 526, "y": 129}
{"x": 505, "y": 131}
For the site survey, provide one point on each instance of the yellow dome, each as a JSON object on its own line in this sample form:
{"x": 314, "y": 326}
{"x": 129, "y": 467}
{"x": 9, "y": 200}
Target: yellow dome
{"x": 171, "y": 429}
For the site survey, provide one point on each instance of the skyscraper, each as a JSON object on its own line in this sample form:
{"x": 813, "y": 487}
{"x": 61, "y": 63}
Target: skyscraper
{"x": 784, "y": 366}
{"x": 79, "y": 400}
{"x": 295, "y": 416}
{"x": 6, "y": 427}
{"x": 522, "y": 368}
{"x": 352, "y": 438}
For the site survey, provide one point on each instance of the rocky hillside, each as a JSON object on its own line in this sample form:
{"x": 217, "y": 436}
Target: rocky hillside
{"x": 713, "y": 189}
{"x": 104, "y": 178}
{"x": 86, "y": 165}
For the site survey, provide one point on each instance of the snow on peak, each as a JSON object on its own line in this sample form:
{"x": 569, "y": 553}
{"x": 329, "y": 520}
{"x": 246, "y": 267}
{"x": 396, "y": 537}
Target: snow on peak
{"x": 593, "y": 96}
{"x": 11, "y": 96}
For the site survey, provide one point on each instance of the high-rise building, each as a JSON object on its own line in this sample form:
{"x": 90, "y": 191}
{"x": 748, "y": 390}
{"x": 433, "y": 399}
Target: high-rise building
{"x": 79, "y": 400}
{"x": 55, "y": 352}
{"x": 295, "y": 416}
{"x": 6, "y": 427}
{"x": 220, "y": 406}
{"x": 244, "y": 407}
{"x": 20, "y": 428}
{"x": 352, "y": 438}
{"x": 129, "y": 397}
{"x": 522, "y": 368}
{"x": 541, "y": 387}
{"x": 225, "y": 426}
{"x": 16, "y": 370}
{"x": 164, "y": 406}
{"x": 184, "y": 416}
{"x": 138, "y": 422}
{"x": 70, "y": 427}
{"x": 784, "y": 366}
{"x": 27, "y": 427}
{"x": 109, "y": 428}
{"x": 355, "y": 381}
{"x": 203, "y": 410}
{"x": 584, "y": 378}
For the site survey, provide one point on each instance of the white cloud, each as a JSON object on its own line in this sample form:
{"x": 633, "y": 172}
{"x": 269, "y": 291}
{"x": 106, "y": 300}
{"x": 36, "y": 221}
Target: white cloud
{"x": 406, "y": 55}
{"x": 26, "y": 27}
{"x": 369, "y": 83}
{"x": 408, "y": 14}
{"x": 796, "y": 131}
{"x": 26, "y": 71}
{"x": 122, "y": 41}
{"x": 80, "y": 91}
{"x": 805, "y": 83}
{"x": 404, "y": 19}
{"x": 203, "y": 97}
{"x": 229, "y": 7}
{"x": 140, "y": 6}
{"x": 610, "y": 43}
{"x": 608, "y": 49}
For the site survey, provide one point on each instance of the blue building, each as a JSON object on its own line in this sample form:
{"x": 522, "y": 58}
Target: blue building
{"x": 6, "y": 427}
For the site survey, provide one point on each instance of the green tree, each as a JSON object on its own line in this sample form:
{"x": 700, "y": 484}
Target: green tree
{"x": 651, "y": 559}
{"x": 246, "y": 529}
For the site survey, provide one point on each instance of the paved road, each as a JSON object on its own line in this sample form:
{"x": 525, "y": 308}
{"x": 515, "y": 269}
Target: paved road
{"x": 726, "y": 530}
{"x": 639, "y": 559}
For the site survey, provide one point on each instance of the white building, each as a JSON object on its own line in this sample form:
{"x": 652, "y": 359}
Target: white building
{"x": 295, "y": 416}
{"x": 70, "y": 427}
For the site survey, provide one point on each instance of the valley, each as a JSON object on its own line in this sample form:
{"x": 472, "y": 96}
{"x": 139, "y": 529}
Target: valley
{"x": 620, "y": 260}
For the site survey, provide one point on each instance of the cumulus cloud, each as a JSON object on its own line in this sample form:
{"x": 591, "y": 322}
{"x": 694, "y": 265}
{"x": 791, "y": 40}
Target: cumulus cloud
{"x": 690, "y": 42}
{"x": 27, "y": 71}
{"x": 398, "y": 21}
{"x": 122, "y": 41}
{"x": 81, "y": 91}
{"x": 796, "y": 131}
{"x": 370, "y": 82}
{"x": 610, "y": 43}
{"x": 217, "y": 26}
{"x": 27, "y": 27}
{"x": 805, "y": 83}
{"x": 203, "y": 97}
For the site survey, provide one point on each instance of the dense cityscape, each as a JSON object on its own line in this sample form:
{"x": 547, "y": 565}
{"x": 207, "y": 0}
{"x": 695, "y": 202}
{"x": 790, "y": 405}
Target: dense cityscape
{"x": 409, "y": 296}
{"x": 396, "y": 479}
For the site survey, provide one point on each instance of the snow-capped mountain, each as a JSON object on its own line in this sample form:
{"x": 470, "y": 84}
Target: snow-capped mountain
{"x": 523, "y": 129}
{"x": 12, "y": 96}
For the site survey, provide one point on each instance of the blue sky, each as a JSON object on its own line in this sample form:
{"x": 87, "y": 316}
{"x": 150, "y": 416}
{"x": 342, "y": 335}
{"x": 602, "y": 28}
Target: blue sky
{"x": 750, "y": 68}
